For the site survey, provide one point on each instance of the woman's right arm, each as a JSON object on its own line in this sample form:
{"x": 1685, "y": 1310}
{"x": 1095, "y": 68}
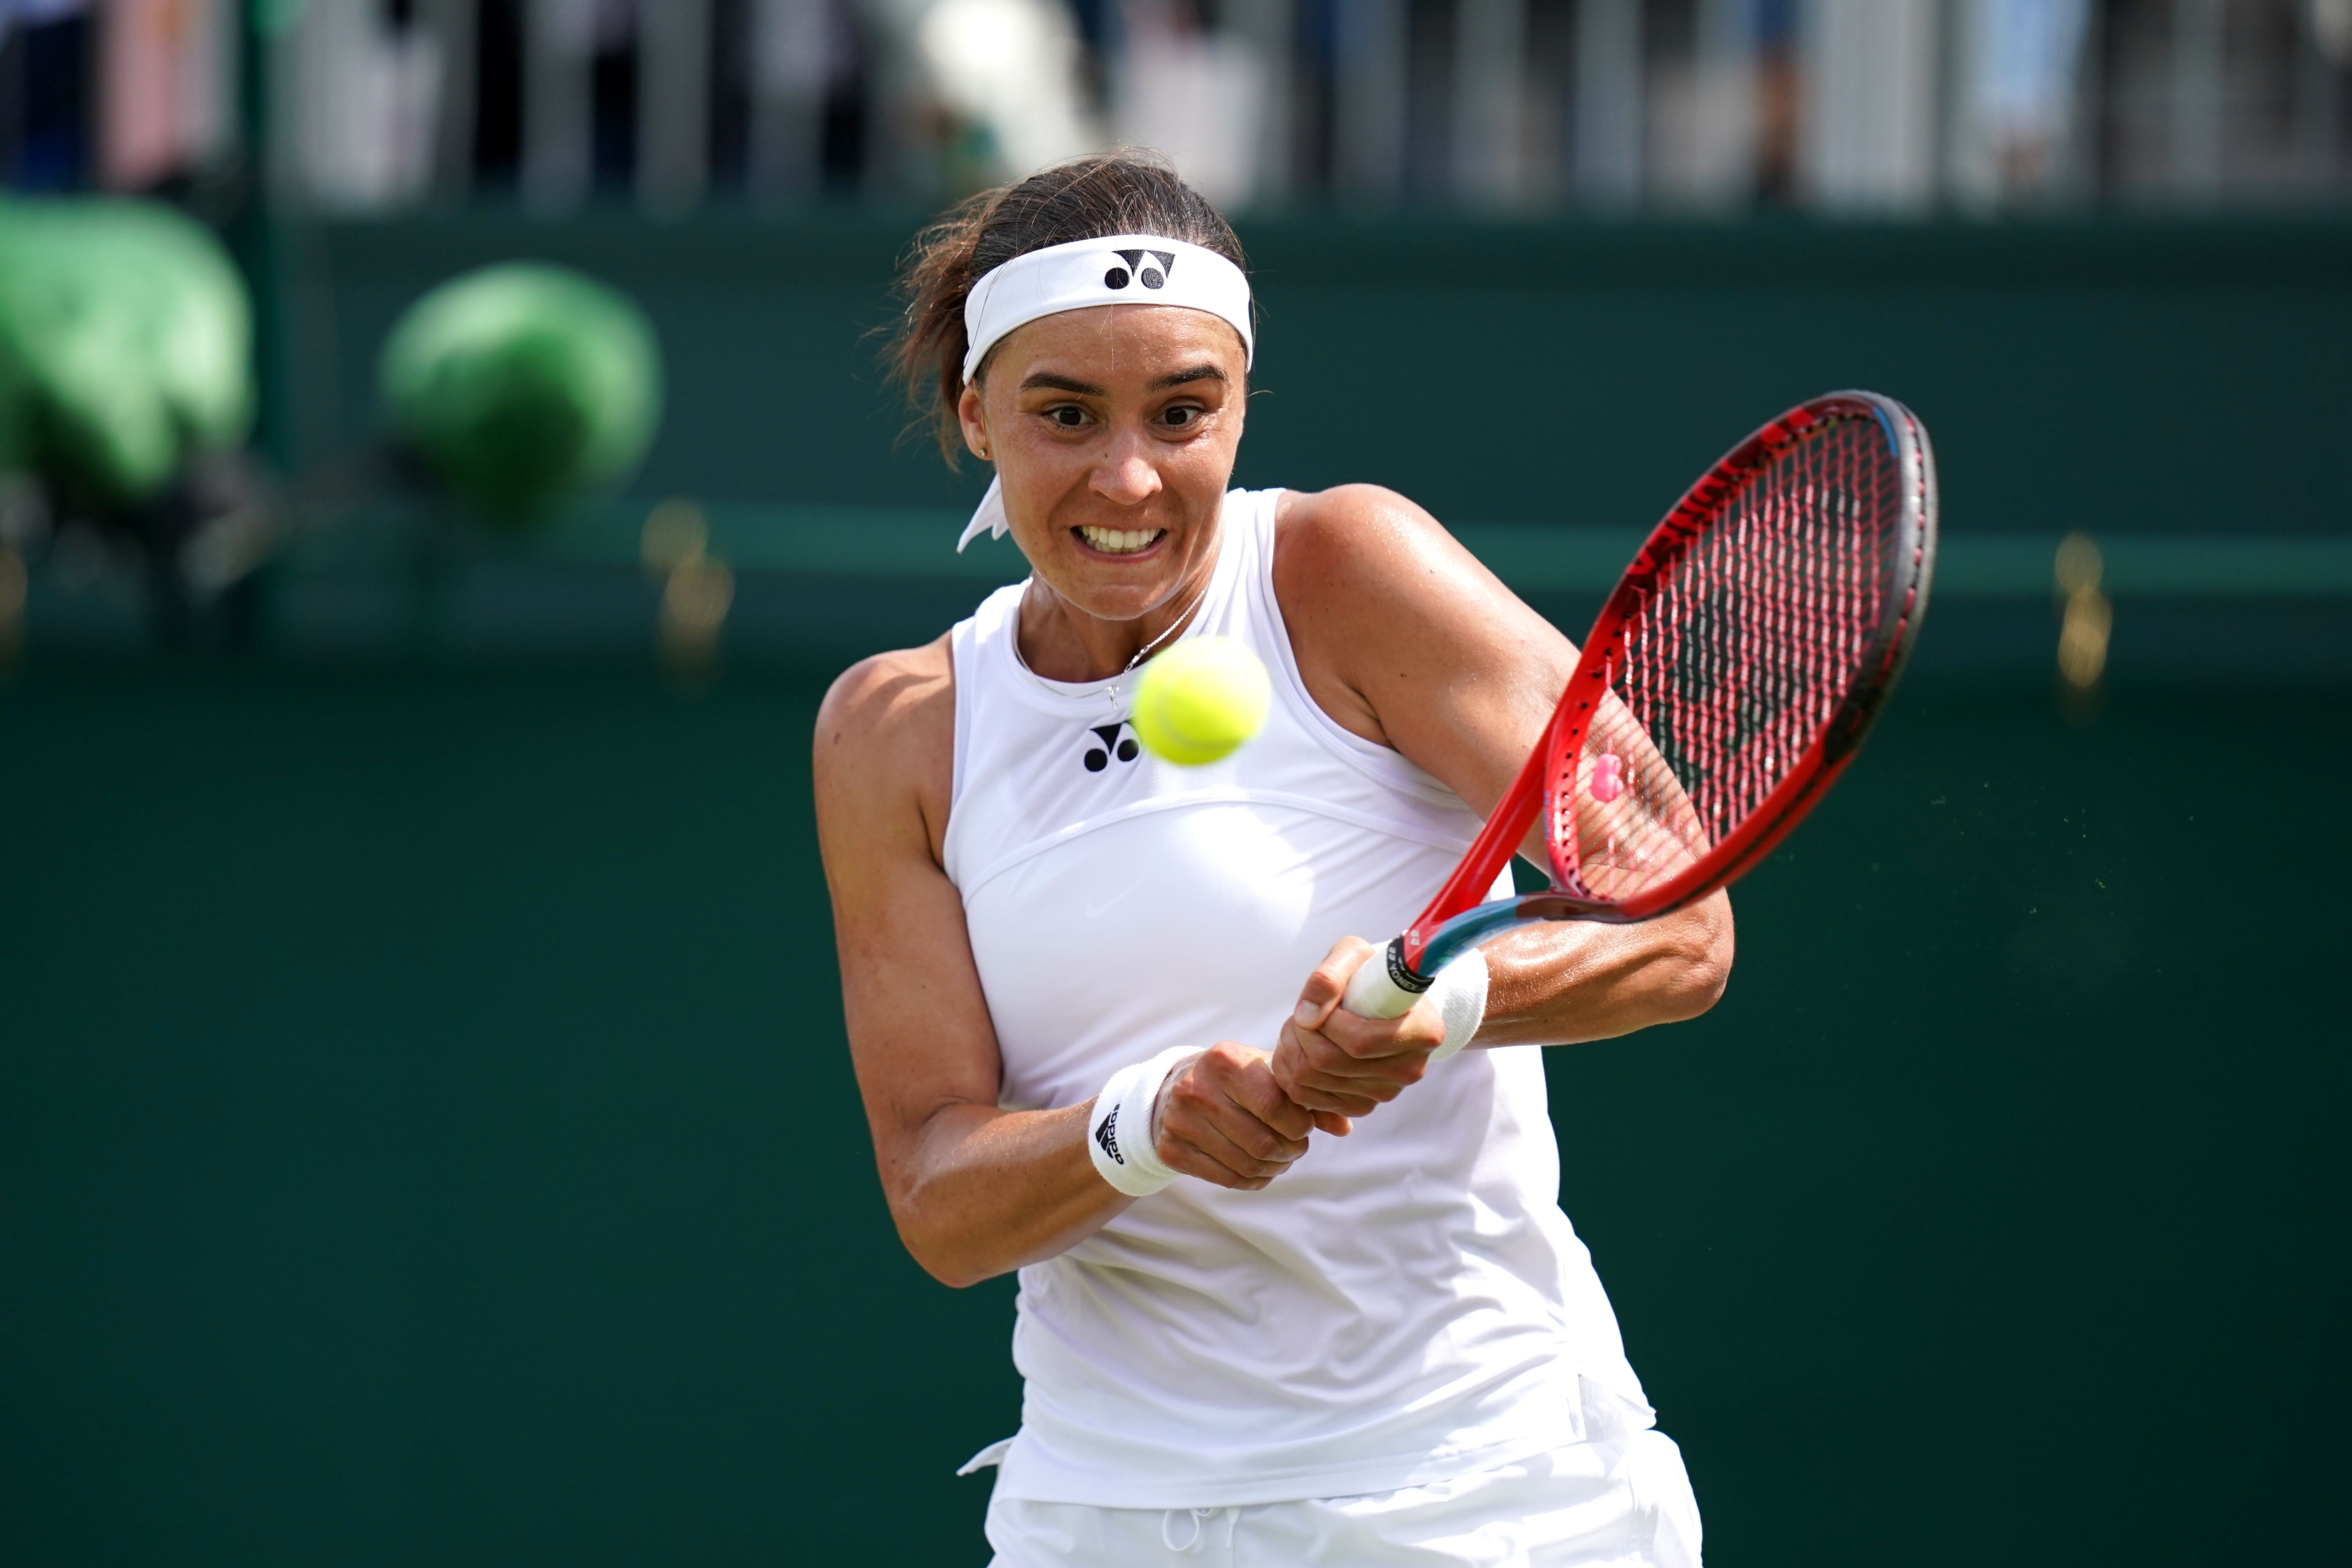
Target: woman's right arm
{"x": 976, "y": 1190}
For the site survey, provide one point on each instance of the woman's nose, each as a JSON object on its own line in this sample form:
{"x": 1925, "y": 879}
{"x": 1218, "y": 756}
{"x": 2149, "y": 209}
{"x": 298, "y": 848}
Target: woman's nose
{"x": 1126, "y": 478}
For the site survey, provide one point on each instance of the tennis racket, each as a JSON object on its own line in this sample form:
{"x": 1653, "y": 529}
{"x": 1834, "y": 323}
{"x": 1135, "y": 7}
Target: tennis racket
{"x": 1733, "y": 670}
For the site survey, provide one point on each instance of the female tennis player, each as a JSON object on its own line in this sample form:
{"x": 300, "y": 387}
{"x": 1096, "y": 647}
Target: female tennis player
{"x": 1295, "y": 1284}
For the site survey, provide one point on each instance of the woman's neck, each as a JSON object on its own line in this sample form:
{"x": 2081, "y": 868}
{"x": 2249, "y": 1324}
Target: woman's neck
{"x": 1062, "y": 642}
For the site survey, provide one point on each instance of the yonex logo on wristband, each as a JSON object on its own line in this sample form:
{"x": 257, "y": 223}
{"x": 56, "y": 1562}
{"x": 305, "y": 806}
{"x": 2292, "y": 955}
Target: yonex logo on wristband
{"x": 1107, "y": 1136}
{"x": 1148, "y": 275}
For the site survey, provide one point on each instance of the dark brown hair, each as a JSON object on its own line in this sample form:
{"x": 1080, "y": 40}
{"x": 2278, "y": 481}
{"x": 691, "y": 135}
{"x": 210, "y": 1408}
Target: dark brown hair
{"x": 1128, "y": 191}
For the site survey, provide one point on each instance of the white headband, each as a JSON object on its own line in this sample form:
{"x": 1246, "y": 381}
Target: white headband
{"x": 1123, "y": 269}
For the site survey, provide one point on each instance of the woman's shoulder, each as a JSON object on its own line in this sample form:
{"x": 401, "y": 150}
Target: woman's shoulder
{"x": 897, "y": 686}
{"x": 1328, "y": 524}
{"x": 1365, "y": 545}
{"x": 1386, "y": 610}
{"x": 889, "y": 721}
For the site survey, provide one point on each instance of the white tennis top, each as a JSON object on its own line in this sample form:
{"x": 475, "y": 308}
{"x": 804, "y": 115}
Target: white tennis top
{"x": 1402, "y": 1305}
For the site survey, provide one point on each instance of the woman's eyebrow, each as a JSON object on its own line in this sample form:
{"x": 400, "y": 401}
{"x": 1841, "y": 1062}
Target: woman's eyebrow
{"x": 1047, "y": 380}
{"x": 1197, "y": 373}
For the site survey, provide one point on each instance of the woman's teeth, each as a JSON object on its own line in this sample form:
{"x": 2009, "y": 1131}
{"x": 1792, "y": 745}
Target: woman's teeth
{"x": 1119, "y": 541}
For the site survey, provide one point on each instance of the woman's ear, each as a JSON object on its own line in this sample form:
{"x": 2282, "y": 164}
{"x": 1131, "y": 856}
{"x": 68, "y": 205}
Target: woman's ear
{"x": 970, "y": 416}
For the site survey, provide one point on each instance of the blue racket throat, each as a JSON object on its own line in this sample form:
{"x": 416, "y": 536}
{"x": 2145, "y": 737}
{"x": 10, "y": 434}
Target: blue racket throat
{"x": 1388, "y": 986}
{"x": 1475, "y": 927}
{"x": 1463, "y": 932}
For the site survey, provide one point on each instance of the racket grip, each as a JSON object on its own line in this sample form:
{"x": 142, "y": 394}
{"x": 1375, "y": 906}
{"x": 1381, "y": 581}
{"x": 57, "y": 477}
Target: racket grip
{"x": 1380, "y": 989}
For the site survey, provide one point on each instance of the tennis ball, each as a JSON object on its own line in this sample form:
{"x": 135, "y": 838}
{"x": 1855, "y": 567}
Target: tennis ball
{"x": 1200, "y": 700}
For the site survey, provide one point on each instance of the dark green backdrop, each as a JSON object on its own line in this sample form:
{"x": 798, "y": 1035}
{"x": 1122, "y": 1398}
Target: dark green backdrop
{"x": 425, "y": 1133}
{"x": 2113, "y": 375}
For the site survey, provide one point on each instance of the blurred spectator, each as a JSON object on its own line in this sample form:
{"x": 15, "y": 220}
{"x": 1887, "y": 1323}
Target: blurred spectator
{"x": 164, "y": 76}
{"x": 2331, "y": 27}
{"x": 1778, "y": 96}
{"x": 1706, "y": 110}
{"x": 616, "y": 54}
{"x": 1869, "y": 116}
{"x": 1008, "y": 73}
{"x": 1607, "y": 116}
{"x": 2021, "y": 61}
{"x": 806, "y": 59}
{"x": 1368, "y": 56}
{"x": 561, "y": 41}
{"x": 46, "y": 67}
{"x": 370, "y": 86}
{"x": 1197, "y": 95}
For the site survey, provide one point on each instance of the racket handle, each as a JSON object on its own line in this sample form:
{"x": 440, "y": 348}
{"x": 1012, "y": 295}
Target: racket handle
{"x": 1374, "y": 991}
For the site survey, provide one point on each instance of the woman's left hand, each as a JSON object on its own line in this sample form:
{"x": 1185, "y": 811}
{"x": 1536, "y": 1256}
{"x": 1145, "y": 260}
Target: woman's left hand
{"x": 1330, "y": 1060}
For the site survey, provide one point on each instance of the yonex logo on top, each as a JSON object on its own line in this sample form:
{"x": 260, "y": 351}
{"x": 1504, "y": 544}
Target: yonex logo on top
{"x": 1139, "y": 270}
{"x": 1108, "y": 1136}
{"x": 1098, "y": 757}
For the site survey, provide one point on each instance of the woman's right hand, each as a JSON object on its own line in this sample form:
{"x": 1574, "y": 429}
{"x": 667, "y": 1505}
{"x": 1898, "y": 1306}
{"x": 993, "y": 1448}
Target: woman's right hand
{"x": 1222, "y": 1118}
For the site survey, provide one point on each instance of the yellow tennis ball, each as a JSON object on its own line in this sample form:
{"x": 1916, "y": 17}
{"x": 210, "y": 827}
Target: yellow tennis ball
{"x": 1200, "y": 700}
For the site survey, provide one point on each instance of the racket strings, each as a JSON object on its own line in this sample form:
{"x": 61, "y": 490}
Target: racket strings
{"x": 1735, "y": 667}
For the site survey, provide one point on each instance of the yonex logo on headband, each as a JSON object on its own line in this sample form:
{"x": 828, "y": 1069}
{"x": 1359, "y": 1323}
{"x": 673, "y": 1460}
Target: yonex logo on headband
{"x": 1112, "y": 270}
{"x": 1150, "y": 277}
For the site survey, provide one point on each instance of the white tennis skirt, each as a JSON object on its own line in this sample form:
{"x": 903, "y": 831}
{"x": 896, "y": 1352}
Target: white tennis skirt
{"x": 1619, "y": 1497}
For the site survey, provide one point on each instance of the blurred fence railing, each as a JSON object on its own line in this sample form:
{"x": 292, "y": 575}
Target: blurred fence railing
{"x": 1495, "y": 105}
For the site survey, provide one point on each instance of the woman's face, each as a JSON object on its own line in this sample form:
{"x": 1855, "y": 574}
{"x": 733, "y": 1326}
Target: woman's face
{"x": 1113, "y": 430}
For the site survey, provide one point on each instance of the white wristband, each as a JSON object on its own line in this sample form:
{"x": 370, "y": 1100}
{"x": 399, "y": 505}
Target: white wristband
{"x": 1459, "y": 994}
{"x": 1118, "y": 1133}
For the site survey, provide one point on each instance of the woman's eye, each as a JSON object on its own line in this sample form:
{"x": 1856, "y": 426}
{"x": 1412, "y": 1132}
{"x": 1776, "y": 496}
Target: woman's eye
{"x": 1181, "y": 417}
{"x": 1067, "y": 418}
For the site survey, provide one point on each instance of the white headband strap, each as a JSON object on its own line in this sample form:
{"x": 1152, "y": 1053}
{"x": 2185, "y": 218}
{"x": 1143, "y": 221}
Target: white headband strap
{"x": 1122, "y": 270}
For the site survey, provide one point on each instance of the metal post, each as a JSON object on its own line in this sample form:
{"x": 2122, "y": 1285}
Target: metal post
{"x": 672, "y": 104}
{"x": 2318, "y": 109}
{"x": 1724, "y": 137}
{"x": 275, "y": 59}
{"x": 253, "y": 237}
{"x": 558, "y": 47}
{"x": 1271, "y": 27}
{"x": 454, "y": 25}
{"x": 2086, "y": 131}
{"x": 2196, "y": 43}
{"x": 1869, "y": 131}
{"x": 791, "y": 53}
{"x": 1368, "y": 88}
{"x": 1608, "y": 108}
{"x": 1490, "y": 54}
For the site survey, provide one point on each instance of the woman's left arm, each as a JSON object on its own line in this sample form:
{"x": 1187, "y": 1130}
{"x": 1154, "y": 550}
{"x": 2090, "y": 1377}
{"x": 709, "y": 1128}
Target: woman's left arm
{"x": 1404, "y": 638}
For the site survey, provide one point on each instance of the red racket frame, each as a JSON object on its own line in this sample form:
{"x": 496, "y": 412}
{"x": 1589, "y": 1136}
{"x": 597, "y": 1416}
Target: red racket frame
{"x": 1457, "y": 910}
